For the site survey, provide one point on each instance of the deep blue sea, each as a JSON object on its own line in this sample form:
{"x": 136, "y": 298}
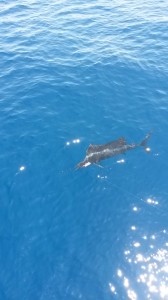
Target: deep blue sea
{"x": 74, "y": 73}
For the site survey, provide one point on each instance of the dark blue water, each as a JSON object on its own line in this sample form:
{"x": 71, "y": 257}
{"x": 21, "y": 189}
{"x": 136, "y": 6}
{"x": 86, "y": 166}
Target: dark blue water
{"x": 74, "y": 73}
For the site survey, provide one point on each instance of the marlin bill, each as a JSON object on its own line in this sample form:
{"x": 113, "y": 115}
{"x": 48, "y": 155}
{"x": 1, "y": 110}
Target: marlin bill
{"x": 96, "y": 153}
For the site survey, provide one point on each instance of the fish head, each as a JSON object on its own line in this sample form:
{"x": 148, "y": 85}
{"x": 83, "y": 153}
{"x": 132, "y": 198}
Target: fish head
{"x": 83, "y": 164}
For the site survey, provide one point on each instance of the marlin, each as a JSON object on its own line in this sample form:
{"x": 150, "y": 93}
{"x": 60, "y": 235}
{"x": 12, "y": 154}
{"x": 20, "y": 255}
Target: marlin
{"x": 96, "y": 153}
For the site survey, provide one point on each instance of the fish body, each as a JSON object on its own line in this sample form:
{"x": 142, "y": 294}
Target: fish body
{"x": 96, "y": 153}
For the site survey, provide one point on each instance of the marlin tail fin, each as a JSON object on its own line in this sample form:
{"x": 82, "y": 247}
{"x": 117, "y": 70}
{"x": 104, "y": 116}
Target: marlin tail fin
{"x": 144, "y": 142}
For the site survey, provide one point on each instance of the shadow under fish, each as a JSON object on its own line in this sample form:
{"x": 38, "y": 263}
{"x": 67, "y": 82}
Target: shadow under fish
{"x": 96, "y": 153}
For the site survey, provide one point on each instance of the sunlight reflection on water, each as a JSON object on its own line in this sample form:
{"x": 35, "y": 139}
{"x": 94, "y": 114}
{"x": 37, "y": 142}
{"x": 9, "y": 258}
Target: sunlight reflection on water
{"x": 150, "y": 266}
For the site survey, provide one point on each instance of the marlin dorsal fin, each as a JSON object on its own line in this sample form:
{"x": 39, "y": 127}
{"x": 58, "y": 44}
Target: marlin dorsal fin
{"x": 92, "y": 148}
{"x": 114, "y": 144}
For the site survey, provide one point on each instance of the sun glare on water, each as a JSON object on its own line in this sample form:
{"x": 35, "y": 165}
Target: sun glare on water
{"x": 146, "y": 257}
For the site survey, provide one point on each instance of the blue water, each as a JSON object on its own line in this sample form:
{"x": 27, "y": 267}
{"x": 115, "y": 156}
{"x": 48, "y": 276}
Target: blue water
{"x": 74, "y": 73}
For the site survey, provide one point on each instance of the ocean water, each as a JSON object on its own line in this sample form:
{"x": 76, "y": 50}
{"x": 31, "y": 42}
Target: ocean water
{"x": 74, "y": 73}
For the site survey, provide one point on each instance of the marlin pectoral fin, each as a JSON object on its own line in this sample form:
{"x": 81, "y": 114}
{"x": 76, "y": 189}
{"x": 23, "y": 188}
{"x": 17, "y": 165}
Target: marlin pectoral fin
{"x": 100, "y": 166}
